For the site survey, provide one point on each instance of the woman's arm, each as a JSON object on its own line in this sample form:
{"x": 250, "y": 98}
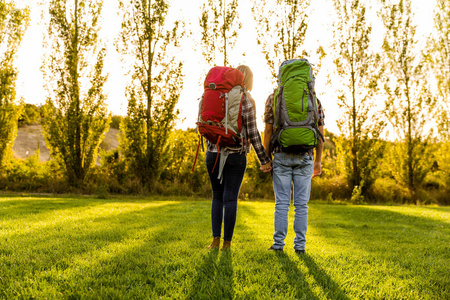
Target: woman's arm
{"x": 253, "y": 134}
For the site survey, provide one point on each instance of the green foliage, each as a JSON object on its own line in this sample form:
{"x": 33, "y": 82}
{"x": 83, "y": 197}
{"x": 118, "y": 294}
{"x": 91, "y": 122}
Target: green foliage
{"x": 33, "y": 176}
{"x": 335, "y": 187}
{"x": 156, "y": 248}
{"x": 178, "y": 172}
{"x": 439, "y": 177}
{"x": 357, "y": 194}
{"x": 409, "y": 104}
{"x": 156, "y": 82}
{"x": 358, "y": 71}
{"x": 76, "y": 111}
{"x": 115, "y": 122}
{"x": 31, "y": 114}
{"x": 438, "y": 58}
{"x": 368, "y": 157}
{"x": 13, "y": 23}
{"x": 394, "y": 166}
{"x": 281, "y": 30}
{"x": 219, "y": 27}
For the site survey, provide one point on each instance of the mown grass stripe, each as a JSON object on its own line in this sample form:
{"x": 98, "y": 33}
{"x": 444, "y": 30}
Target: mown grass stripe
{"x": 137, "y": 248}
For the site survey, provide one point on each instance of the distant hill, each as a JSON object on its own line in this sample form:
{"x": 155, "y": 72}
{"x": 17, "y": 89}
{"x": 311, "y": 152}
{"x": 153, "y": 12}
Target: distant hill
{"x": 30, "y": 138}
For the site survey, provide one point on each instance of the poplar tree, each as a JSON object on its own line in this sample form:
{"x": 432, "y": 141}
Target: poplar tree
{"x": 149, "y": 46}
{"x": 219, "y": 24}
{"x": 281, "y": 30}
{"x": 357, "y": 78}
{"x": 13, "y": 23}
{"x": 76, "y": 118}
{"x": 408, "y": 105}
{"x": 439, "y": 58}
{"x": 439, "y": 61}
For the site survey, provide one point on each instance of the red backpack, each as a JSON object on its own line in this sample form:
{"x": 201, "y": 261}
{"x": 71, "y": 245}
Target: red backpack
{"x": 220, "y": 109}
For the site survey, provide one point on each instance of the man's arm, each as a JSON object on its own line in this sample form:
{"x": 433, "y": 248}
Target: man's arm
{"x": 266, "y": 144}
{"x": 318, "y": 157}
{"x": 268, "y": 131}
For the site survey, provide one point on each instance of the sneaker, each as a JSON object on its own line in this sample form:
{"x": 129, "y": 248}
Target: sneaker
{"x": 299, "y": 251}
{"x": 275, "y": 249}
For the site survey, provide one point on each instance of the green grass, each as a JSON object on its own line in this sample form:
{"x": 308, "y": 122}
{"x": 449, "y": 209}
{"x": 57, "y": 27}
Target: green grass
{"x": 155, "y": 248}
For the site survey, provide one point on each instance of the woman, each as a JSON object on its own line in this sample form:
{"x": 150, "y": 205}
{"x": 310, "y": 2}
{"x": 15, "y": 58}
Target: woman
{"x": 225, "y": 193}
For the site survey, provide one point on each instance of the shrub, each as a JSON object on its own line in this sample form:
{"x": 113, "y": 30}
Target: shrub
{"x": 387, "y": 190}
{"x": 31, "y": 114}
{"x": 32, "y": 175}
{"x": 337, "y": 186}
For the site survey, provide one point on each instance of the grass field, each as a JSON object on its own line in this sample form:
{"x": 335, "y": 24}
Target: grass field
{"x": 155, "y": 248}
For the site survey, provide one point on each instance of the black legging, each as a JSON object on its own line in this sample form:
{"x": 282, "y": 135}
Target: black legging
{"x": 225, "y": 194}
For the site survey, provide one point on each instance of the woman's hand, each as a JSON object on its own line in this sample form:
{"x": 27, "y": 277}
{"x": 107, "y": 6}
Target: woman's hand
{"x": 267, "y": 167}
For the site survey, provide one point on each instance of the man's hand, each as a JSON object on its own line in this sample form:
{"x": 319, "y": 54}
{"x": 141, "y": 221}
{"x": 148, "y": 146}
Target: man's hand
{"x": 317, "y": 169}
{"x": 267, "y": 167}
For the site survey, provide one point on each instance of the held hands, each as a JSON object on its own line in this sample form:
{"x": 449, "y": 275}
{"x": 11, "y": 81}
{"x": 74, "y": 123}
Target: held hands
{"x": 317, "y": 169}
{"x": 267, "y": 167}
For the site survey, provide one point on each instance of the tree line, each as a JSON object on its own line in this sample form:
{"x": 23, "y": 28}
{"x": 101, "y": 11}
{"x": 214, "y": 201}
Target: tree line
{"x": 398, "y": 86}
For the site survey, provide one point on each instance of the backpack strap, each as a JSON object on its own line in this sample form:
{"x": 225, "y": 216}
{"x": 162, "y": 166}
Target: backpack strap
{"x": 218, "y": 151}
{"x": 196, "y": 154}
{"x": 223, "y": 159}
{"x": 315, "y": 109}
{"x": 277, "y": 117}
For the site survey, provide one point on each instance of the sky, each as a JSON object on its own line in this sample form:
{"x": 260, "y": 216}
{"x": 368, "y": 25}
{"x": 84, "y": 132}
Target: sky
{"x": 29, "y": 58}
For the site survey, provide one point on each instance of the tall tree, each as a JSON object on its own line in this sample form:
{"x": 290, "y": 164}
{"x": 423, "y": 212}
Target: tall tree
{"x": 439, "y": 61}
{"x": 281, "y": 30}
{"x": 13, "y": 23}
{"x": 154, "y": 89}
{"x": 219, "y": 26}
{"x": 439, "y": 57}
{"x": 357, "y": 70}
{"x": 77, "y": 117}
{"x": 408, "y": 102}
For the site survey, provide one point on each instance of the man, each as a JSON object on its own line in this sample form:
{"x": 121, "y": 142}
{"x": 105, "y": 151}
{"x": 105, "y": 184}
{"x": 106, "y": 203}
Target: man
{"x": 297, "y": 169}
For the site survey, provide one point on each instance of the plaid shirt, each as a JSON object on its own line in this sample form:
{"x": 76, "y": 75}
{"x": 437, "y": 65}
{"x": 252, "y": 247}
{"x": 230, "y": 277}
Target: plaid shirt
{"x": 252, "y": 133}
{"x": 269, "y": 117}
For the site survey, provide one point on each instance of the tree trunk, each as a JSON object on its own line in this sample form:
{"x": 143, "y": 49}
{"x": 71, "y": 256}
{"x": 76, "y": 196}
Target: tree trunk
{"x": 149, "y": 84}
{"x": 354, "y": 147}
{"x": 78, "y": 159}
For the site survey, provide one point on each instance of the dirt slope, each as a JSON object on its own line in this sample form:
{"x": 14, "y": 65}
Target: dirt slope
{"x": 30, "y": 138}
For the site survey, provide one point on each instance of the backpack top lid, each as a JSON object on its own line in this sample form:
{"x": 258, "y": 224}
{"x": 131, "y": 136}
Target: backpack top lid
{"x": 223, "y": 78}
{"x": 294, "y": 67}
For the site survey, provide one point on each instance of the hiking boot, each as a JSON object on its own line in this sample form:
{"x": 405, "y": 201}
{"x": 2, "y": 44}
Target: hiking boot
{"x": 299, "y": 251}
{"x": 275, "y": 249}
{"x": 215, "y": 243}
{"x": 226, "y": 245}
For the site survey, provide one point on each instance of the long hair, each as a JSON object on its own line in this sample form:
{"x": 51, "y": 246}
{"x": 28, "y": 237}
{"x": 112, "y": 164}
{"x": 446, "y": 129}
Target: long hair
{"x": 248, "y": 82}
{"x": 248, "y": 76}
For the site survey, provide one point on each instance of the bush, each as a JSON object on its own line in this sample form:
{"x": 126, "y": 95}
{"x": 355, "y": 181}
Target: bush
{"x": 115, "y": 122}
{"x": 31, "y": 114}
{"x": 337, "y": 187}
{"x": 387, "y": 190}
{"x": 32, "y": 175}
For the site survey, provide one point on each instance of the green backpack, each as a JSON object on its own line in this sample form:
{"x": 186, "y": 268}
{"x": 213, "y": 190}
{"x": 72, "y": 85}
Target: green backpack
{"x": 295, "y": 108}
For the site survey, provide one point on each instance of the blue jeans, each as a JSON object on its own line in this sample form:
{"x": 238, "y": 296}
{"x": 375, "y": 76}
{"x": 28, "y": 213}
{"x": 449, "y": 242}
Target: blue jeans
{"x": 291, "y": 169}
{"x": 225, "y": 194}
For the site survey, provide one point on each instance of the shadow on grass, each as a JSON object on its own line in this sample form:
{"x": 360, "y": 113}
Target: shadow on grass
{"x": 411, "y": 249}
{"x": 329, "y": 287}
{"x": 213, "y": 278}
{"x": 105, "y": 256}
{"x": 295, "y": 278}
